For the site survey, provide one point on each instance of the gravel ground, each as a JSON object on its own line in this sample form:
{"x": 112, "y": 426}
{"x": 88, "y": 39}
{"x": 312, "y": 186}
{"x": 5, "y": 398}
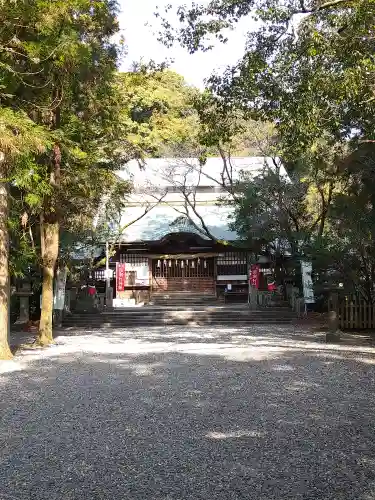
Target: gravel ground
{"x": 189, "y": 413}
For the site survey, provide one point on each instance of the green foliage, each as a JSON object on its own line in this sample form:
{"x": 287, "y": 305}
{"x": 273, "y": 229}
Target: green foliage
{"x": 23, "y": 253}
{"x": 309, "y": 69}
{"x": 163, "y": 116}
{"x": 348, "y": 247}
{"x": 271, "y": 209}
{"x": 59, "y": 64}
{"x": 20, "y": 141}
{"x": 20, "y": 136}
{"x": 311, "y": 75}
{"x": 229, "y": 132}
{"x": 158, "y": 112}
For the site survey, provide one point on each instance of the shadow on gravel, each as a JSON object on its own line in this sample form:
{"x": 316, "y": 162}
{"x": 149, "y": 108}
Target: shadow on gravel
{"x": 178, "y": 414}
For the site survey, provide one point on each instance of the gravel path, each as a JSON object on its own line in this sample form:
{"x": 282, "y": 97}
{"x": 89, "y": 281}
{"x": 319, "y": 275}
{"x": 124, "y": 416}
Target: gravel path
{"x": 189, "y": 413}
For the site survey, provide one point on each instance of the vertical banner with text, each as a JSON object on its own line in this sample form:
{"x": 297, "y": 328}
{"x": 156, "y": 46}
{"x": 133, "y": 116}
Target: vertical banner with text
{"x": 59, "y": 292}
{"x": 307, "y": 283}
{"x": 254, "y": 275}
{"x": 120, "y": 277}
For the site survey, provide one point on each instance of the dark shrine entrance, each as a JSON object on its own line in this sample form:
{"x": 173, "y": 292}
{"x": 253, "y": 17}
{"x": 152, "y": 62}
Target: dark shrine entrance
{"x": 185, "y": 262}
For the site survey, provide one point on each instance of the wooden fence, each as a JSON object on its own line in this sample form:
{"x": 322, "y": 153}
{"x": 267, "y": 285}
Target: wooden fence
{"x": 355, "y": 313}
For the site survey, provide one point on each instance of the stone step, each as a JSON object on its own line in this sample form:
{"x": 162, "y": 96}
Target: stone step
{"x": 176, "y": 312}
{"x": 152, "y": 319}
{"x": 150, "y": 316}
{"x": 208, "y": 298}
{"x": 183, "y": 296}
{"x": 180, "y": 312}
{"x": 182, "y": 299}
{"x": 169, "y": 302}
{"x": 177, "y": 322}
{"x": 152, "y": 311}
{"x": 182, "y": 292}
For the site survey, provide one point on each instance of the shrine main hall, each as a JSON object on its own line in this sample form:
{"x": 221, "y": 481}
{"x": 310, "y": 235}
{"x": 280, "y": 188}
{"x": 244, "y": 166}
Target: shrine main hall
{"x": 177, "y": 237}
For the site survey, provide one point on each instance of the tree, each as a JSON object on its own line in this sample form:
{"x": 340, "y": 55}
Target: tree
{"x": 158, "y": 111}
{"x": 67, "y": 60}
{"x": 346, "y": 254}
{"x": 19, "y": 137}
{"x": 298, "y": 70}
{"x": 307, "y": 68}
{"x": 227, "y": 131}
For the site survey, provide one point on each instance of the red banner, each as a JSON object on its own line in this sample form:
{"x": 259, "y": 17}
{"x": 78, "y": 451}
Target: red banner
{"x": 254, "y": 275}
{"x": 120, "y": 277}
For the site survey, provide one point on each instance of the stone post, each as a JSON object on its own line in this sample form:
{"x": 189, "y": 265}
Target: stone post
{"x": 24, "y": 295}
{"x": 24, "y": 309}
{"x": 109, "y": 297}
{"x": 57, "y": 317}
{"x": 253, "y": 298}
{"x": 73, "y": 298}
{"x": 67, "y": 301}
{"x": 333, "y": 335}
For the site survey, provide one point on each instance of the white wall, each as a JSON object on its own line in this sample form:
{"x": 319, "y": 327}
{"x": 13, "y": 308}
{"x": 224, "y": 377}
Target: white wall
{"x": 159, "y": 222}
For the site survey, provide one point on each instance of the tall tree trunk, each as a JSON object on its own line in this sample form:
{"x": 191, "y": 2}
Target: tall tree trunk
{"x": 49, "y": 240}
{"x": 49, "y": 235}
{"x": 5, "y": 352}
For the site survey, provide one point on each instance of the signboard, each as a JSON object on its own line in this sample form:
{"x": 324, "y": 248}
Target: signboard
{"x": 119, "y": 303}
{"x": 142, "y": 282}
{"x": 308, "y": 289}
{"x": 142, "y": 275}
{"x": 59, "y": 295}
{"x": 254, "y": 275}
{"x": 120, "y": 277}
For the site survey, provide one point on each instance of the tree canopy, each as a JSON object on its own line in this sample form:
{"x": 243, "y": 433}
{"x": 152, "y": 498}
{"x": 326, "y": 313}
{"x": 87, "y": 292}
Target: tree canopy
{"x": 308, "y": 69}
{"x": 59, "y": 60}
{"x": 158, "y": 111}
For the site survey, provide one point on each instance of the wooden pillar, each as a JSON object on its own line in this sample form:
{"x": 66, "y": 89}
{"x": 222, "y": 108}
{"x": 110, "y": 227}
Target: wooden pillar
{"x": 215, "y": 275}
{"x": 150, "y": 278}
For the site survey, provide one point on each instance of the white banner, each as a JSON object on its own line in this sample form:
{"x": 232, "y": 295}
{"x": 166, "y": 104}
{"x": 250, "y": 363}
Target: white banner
{"x": 308, "y": 288}
{"x": 59, "y": 295}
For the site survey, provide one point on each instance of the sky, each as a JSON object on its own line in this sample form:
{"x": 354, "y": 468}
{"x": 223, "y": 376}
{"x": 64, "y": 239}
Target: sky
{"x": 142, "y": 43}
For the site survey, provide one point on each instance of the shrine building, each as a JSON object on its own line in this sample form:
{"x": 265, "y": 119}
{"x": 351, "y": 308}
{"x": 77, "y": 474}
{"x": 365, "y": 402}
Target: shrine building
{"x": 174, "y": 235}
